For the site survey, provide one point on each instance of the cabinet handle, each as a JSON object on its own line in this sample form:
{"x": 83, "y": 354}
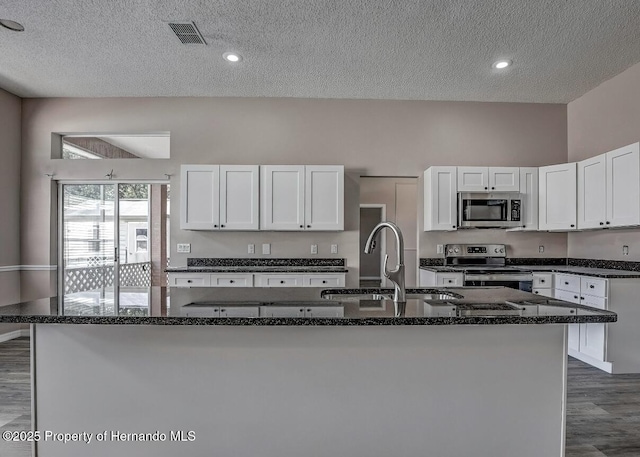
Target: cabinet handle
{"x": 308, "y": 226}
{"x": 608, "y": 222}
{"x": 281, "y": 282}
{"x": 485, "y": 188}
{"x": 536, "y": 292}
{"x": 601, "y": 223}
{"x": 302, "y": 310}
{"x": 575, "y": 296}
{"x": 542, "y": 280}
{"x": 221, "y": 225}
{"x": 591, "y": 286}
{"x": 524, "y": 226}
{"x": 231, "y": 281}
{"x": 189, "y": 281}
{"x": 454, "y": 226}
{"x": 493, "y": 188}
{"x": 581, "y": 298}
{"x": 450, "y": 281}
{"x": 302, "y": 226}
{"x": 566, "y": 283}
{"x": 308, "y": 310}
{"x": 215, "y": 225}
{"x": 223, "y": 310}
{"x": 324, "y": 282}
{"x": 573, "y": 225}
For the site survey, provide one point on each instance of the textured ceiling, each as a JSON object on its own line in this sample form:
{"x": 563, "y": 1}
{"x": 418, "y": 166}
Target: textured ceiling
{"x": 386, "y": 49}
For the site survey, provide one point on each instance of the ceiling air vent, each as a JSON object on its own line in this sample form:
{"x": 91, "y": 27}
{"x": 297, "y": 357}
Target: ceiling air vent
{"x": 187, "y": 32}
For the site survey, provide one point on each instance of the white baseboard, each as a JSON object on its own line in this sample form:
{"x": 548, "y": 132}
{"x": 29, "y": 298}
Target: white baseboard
{"x": 371, "y": 278}
{"x": 15, "y": 334}
{"x": 604, "y": 366}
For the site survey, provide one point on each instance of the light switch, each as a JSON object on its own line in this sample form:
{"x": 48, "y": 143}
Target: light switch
{"x": 184, "y": 247}
{"x": 541, "y": 249}
{"x": 334, "y": 249}
{"x": 625, "y": 250}
{"x": 440, "y": 249}
{"x": 251, "y": 248}
{"x": 266, "y": 248}
{"x": 314, "y": 249}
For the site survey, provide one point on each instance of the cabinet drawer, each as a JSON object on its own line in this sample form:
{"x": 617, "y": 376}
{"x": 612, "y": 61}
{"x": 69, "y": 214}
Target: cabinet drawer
{"x": 596, "y": 302}
{"x": 317, "y": 280}
{"x": 239, "y": 311}
{"x": 281, "y": 311}
{"x": 200, "y": 311}
{"x": 279, "y": 280}
{"x": 449, "y": 279}
{"x": 568, "y": 283}
{"x": 542, "y": 280}
{"x": 593, "y": 286}
{"x": 232, "y": 280}
{"x": 543, "y": 292}
{"x": 189, "y": 280}
{"x": 573, "y": 297}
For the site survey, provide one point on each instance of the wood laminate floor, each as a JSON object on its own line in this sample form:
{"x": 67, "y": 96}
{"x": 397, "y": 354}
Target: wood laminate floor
{"x": 603, "y": 411}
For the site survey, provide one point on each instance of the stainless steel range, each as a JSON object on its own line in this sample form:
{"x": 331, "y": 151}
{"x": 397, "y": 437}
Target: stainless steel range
{"x": 485, "y": 265}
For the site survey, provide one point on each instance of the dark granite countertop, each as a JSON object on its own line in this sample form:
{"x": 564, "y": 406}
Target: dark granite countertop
{"x": 505, "y": 306}
{"x": 583, "y": 271}
{"x": 257, "y": 269}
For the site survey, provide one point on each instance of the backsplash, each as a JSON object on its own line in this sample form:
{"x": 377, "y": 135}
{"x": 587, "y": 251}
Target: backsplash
{"x": 253, "y": 262}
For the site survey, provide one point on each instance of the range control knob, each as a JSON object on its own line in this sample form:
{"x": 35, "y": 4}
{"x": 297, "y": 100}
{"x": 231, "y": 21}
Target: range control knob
{"x": 456, "y": 250}
{"x": 501, "y": 250}
{"x": 496, "y": 250}
{"x": 450, "y": 250}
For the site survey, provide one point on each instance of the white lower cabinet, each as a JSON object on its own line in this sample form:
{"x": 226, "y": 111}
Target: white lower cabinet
{"x": 432, "y": 279}
{"x": 586, "y": 342}
{"x": 301, "y": 311}
{"x": 220, "y": 311}
{"x": 257, "y": 279}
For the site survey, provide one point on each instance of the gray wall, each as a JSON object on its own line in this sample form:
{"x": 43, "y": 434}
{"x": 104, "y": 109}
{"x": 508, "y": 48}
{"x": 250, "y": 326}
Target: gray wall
{"x": 10, "y": 107}
{"x": 370, "y": 137}
{"x": 606, "y": 118}
{"x": 369, "y": 263}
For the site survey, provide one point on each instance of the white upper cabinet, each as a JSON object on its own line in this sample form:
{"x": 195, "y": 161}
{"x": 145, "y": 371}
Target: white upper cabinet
{"x": 473, "y": 179}
{"x": 219, "y": 197}
{"x": 504, "y": 179}
{"x": 557, "y": 202}
{"x": 324, "y": 197}
{"x": 199, "y": 197}
{"x": 491, "y": 179}
{"x": 529, "y": 191}
{"x": 623, "y": 186}
{"x": 282, "y": 197}
{"x": 440, "y": 199}
{"x": 239, "y": 206}
{"x": 592, "y": 211}
{"x": 298, "y": 197}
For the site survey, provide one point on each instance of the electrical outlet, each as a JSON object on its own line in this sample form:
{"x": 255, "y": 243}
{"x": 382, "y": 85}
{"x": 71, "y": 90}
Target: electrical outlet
{"x": 541, "y": 249}
{"x": 334, "y": 249}
{"x": 184, "y": 247}
{"x": 625, "y": 250}
{"x": 440, "y": 248}
{"x": 251, "y": 249}
{"x": 314, "y": 249}
{"x": 266, "y": 248}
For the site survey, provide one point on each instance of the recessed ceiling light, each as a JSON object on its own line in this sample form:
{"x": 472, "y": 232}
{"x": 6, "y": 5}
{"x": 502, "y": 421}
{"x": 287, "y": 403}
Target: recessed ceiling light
{"x": 500, "y": 64}
{"x": 11, "y": 25}
{"x": 231, "y": 57}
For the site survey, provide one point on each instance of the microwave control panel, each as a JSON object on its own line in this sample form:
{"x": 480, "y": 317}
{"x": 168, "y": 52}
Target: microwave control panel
{"x": 515, "y": 210}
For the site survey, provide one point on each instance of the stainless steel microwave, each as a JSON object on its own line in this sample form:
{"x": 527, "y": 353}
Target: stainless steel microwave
{"x": 490, "y": 210}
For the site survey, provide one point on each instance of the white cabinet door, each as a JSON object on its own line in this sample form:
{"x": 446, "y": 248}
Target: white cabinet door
{"x": 278, "y": 280}
{"x": 623, "y": 186}
{"x": 592, "y": 210}
{"x": 199, "y": 197}
{"x": 189, "y": 279}
{"x": 239, "y": 197}
{"x": 324, "y": 197}
{"x": 281, "y": 311}
{"x": 239, "y": 311}
{"x": 232, "y": 280}
{"x": 529, "y": 192}
{"x": 473, "y": 179}
{"x": 449, "y": 279}
{"x": 557, "y": 197}
{"x": 504, "y": 179}
{"x": 282, "y": 197}
{"x": 440, "y": 199}
{"x": 324, "y": 280}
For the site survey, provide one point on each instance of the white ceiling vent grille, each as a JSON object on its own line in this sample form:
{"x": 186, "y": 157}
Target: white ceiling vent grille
{"x": 187, "y": 32}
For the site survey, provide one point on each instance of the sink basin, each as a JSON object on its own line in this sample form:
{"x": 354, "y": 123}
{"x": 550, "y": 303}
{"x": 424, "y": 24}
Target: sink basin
{"x": 360, "y": 297}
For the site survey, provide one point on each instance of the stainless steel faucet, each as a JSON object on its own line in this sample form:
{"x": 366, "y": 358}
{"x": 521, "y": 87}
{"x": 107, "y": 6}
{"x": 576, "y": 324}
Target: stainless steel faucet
{"x": 396, "y": 276}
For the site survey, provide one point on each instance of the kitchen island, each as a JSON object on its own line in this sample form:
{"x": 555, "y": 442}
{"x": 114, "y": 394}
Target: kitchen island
{"x": 369, "y": 383}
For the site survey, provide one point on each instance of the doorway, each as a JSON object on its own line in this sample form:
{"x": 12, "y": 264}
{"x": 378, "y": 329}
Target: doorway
{"x": 371, "y": 265}
{"x": 113, "y": 246}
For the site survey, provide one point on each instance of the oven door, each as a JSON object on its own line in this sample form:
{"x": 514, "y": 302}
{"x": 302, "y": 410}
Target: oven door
{"x": 525, "y": 286}
{"x": 488, "y": 210}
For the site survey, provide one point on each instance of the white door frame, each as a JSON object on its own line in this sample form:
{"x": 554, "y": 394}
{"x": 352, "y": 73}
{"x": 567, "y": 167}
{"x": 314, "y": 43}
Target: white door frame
{"x": 383, "y": 241}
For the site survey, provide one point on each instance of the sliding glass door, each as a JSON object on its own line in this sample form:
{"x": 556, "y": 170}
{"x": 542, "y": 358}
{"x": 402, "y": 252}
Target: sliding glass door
{"x": 105, "y": 249}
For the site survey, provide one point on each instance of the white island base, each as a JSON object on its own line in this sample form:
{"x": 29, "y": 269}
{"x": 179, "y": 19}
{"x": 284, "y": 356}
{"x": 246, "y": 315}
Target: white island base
{"x": 292, "y": 391}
